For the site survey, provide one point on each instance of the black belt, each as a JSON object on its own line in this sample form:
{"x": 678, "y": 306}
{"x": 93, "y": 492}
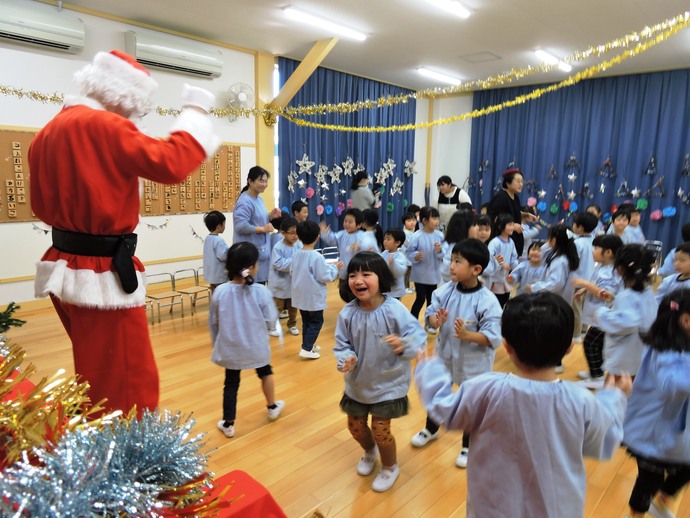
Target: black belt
{"x": 120, "y": 248}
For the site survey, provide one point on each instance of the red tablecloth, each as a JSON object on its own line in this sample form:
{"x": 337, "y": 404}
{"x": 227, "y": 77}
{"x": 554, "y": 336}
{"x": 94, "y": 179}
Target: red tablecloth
{"x": 248, "y": 497}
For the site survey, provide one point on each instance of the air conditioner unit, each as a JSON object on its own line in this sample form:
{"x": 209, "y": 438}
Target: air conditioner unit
{"x": 172, "y": 53}
{"x": 43, "y": 26}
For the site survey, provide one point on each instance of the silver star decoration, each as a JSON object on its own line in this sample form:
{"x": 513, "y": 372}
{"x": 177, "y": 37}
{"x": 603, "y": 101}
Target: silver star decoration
{"x": 343, "y": 191}
{"x": 635, "y": 193}
{"x": 348, "y": 165}
{"x": 302, "y": 183}
{"x": 324, "y": 186}
{"x": 304, "y": 200}
{"x": 382, "y": 175}
{"x": 305, "y": 164}
{"x": 320, "y": 174}
{"x": 680, "y": 192}
{"x": 291, "y": 183}
{"x": 541, "y": 193}
{"x": 396, "y": 188}
{"x": 359, "y": 168}
{"x": 389, "y": 166}
{"x": 410, "y": 168}
{"x": 602, "y": 188}
{"x": 571, "y": 195}
{"x": 572, "y": 177}
{"x": 335, "y": 173}
{"x": 324, "y": 198}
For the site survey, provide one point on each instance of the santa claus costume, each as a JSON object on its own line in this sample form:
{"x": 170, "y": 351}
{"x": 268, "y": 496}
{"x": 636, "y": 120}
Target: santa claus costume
{"x": 85, "y": 166}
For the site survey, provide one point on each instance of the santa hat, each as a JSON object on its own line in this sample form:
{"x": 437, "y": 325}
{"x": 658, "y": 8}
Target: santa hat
{"x": 116, "y": 79}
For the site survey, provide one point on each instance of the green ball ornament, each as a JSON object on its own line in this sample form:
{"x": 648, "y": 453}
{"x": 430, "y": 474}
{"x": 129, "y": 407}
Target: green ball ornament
{"x": 554, "y": 208}
{"x": 642, "y": 204}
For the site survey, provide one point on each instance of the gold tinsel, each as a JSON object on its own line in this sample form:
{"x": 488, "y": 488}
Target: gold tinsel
{"x": 643, "y": 40}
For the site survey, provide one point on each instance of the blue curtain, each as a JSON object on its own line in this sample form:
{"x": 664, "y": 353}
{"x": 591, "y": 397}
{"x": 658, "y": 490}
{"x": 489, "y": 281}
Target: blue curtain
{"x": 332, "y": 148}
{"x": 565, "y": 138}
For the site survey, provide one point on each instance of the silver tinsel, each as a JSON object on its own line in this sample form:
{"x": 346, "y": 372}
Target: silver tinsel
{"x": 117, "y": 469}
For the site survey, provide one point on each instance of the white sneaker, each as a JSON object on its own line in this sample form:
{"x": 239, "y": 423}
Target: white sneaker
{"x": 385, "y": 479}
{"x": 316, "y": 349}
{"x": 659, "y": 510}
{"x": 283, "y": 314}
{"x": 309, "y": 355}
{"x": 461, "y": 459}
{"x": 409, "y": 290}
{"x": 593, "y": 383}
{"x": 423, "y": 438}
{"x": 583, "y": 375}
{"x": 274, "y": 332}
{"x": 294, "y": 331}
{"x": 368, "y": 462}
{"x": 274, "y": 413}
{"x": 559, "y": 369}
{"x": 430, "y": 330}
{"x": 228, "y": 431}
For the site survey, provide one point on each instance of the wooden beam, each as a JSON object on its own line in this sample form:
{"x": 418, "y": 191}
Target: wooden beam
{"x": 303, "y": 72}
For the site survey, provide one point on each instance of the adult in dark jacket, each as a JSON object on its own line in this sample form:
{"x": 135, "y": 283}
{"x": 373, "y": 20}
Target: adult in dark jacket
{"x": 507, "y": 201}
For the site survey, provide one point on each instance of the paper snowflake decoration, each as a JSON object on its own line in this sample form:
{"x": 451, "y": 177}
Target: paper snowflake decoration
{"x": 382, "y": 176}
{"x": 410, "y": 168}
{"x": 397, "y": 186}
{"x": 572, "y": 177}
{"x": 305, "y": 164}
{"x": 324, "y": 186}
{"x": 541, "y": 193}
{"x": 320, "y": 175}
{"x": 342, "y": 191}
{"x": 324, "y": 198}
{"x": 348, "y": 166}
{"x": 302, "y": 183}
{"x": 635, "y": 193}
{"x": 335, "y": 173}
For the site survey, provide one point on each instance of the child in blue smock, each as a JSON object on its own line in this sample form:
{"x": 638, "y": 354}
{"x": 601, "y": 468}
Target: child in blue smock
{"x": 634, "y": 309}
{"x": 584, "y": 224}
{"x": 502, "y": 246}
{"x": 240, "y": 314}
{"x": 215, "y": 250}
{"x": 462, "y": 224}
{"x": 528, "y": 422}
{"x": 667, "y": 266}
{"x": 468, "y": 316}
{"x": 679, "y": 280}
{"x": 655, "y": 427}
{"x": 409, "y": 222}
{"x": 279, "y": 276}
{"x": 527, "y": 272}
{"x": 426, "y": 255}
{"x": 376, "y": 337}
{"x": 395, "y": 259}
{"x": 349, "y": 241}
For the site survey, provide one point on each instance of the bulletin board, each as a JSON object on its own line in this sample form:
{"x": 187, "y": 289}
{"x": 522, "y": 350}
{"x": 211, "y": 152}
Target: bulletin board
{"x": 214, "y": 185}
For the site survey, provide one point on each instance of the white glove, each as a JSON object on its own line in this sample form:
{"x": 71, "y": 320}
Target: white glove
{"x": 199, "y": 97}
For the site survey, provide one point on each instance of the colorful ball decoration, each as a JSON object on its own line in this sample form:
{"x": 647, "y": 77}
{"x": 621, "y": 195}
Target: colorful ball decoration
{"x": 656, "y": 215}
{"x": 566, "y": 205}
{"x": 285, "y": 209}
{"x": 340, "y": 208}
{"x": 642, "y": 203}
{"x": 319, "y": 210}
{"x": 554, "y": 208}
{"x": 390, "y": 207}
{"x": 531, "y": 201}
{"x": 349, "y": 204}
{"x": 574, "y": 206}
{"x": 668, "y": 212}
{"x": 606, "y": 217}
{"x": 405, "y": 203}
{"x": 541, "y": 206}
{"x": 329, "y": 210}
{"x": 309, "y": 192}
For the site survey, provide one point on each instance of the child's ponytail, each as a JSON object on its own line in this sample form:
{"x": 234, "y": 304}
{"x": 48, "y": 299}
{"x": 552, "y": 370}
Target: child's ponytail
{"x": 241, "y": 257}
{"x": 666, "y": 333}
{"x": 634, "y": 262}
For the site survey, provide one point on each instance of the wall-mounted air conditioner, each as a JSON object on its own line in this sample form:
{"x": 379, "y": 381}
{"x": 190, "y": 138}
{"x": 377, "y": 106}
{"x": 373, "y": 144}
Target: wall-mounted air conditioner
{"x": 173, "y": 53}
{"x": 41, "y": 25}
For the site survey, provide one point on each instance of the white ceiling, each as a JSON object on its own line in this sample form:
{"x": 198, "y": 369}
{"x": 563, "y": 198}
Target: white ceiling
{"x": 406, "y": 34}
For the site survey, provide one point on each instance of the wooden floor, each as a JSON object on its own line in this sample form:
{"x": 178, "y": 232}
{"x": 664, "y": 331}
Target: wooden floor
{"x": 307, "y": 458}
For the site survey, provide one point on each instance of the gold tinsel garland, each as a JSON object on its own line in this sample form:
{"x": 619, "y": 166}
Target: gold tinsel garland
{"x": 644, "y": 39}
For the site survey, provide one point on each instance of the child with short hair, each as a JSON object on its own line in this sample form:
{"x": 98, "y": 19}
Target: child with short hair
{"x": 633, "y": 312}
{"x": 348, "y": 241}
{"x": 310, "y": 273}
{"x": 415, "y": 209}
{"x": 604, "y": 278}
{"x": 529, "y": 230}
{"x": 619, "y": 222}
{"x": 300, "y": 211}
{"x": 584, "y": 224}
{"x": 240, "y": 314}
{"x": 395, "y": 259}
{"x": 667, "y": 268}
{"x": 469, "y": 318}
{"x": 634, "y": 231}
{"x": 425, "y": 254}
{"x": 517, "y": 420}
{"x": 372, "y": 238}
{"x": 376, "y": 337}
{"x": 215, "y": 250}
{"x": 409, "y": 222}
{"x": 594, "y": 209}
{"x": 484, "y": 228}
{"x": 279, "y": 277}
{"x": 654, "y": 427}
{"x": 681, "y": 263}
{"x": 502, "y": 247}
{"x": 527, "y": 272}
{"x": 462, "y": 224}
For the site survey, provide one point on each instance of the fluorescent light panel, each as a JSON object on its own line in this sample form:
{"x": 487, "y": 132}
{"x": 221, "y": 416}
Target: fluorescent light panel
{"x": 550, "y": 59}
{"x": 437, "y": 76}
{"x": 300, "y": 16}
{"x": 452, "y": 6}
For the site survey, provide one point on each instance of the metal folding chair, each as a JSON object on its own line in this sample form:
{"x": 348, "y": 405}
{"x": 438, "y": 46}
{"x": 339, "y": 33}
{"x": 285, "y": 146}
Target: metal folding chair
{"x": 164, "y": 294}
{"x": 194, "y": 292}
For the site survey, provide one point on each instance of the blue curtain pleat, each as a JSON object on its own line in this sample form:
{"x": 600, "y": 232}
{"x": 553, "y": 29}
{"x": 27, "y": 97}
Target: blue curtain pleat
{"x": 325, "y": 147}
{"x": 627, "y": 118}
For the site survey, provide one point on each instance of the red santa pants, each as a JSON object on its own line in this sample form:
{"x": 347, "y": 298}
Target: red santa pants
{"x": 112, "y": 351}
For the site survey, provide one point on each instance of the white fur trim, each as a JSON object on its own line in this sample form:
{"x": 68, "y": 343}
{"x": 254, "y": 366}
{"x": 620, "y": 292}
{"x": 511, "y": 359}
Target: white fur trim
{"x": 86, "y": 287}
{"x": 198, "y": 126}
{"x": 77, "y": 100}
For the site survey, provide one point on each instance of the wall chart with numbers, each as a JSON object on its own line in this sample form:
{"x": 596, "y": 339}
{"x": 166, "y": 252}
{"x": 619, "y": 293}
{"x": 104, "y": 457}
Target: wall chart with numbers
{"x": 214, "y": 185}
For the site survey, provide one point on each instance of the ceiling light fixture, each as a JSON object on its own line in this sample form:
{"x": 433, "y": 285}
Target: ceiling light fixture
{"x": 437, "y": 76}
{"x": 300, "y": 16}
{"x": 550, "y": 59}
{"x": 452, "y": 6}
